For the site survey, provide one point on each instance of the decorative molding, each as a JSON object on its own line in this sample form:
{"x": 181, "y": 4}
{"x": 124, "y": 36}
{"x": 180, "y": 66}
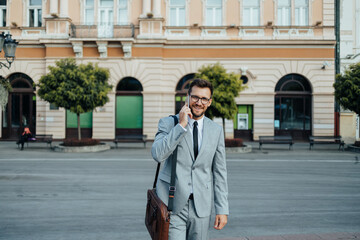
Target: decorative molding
{"x": 102, "y": 48}
{"x": 245, "y": 72}
{"x": 177, "y": 32}
{"x": 127, "y": 47}
{"x": 78, "y": 49}
{"x": 208, "y": 32}
{"x": 251, "y": 32}
{"x": 293, "y": 32}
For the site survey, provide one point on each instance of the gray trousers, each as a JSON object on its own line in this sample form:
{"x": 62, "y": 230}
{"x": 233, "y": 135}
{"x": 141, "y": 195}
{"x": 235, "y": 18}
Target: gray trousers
{"x": 188, "y": 226}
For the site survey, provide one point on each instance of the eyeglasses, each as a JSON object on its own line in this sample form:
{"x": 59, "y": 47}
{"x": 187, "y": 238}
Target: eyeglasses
{"x": 195, "y": 98}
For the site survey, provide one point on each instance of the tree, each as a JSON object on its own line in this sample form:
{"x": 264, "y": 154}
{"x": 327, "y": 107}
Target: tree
{"x": 227, "y": 87}
{"x": 79, "y": 88}
{"x": 347, "y": 88}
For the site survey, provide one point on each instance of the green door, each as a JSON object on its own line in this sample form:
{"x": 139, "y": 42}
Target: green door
{"x": 129, "y": 115}
{"x": 85, "y": 124}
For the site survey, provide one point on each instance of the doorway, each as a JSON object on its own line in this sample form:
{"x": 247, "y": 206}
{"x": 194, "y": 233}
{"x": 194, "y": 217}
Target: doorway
{"x": 20, "y": 111}
{"x": 293, "y": 107}
{"x": 129, "y": 107}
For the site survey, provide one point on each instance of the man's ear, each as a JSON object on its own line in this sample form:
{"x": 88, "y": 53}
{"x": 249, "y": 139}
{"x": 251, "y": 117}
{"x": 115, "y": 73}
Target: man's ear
{"x": 210, "y": 102}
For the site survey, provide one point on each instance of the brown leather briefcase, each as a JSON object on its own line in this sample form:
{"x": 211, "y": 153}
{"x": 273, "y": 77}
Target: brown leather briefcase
{"x": 157, "y": 217}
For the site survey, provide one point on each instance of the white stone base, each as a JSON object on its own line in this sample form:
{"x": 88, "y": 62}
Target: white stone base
{"x": 97, "y": 148}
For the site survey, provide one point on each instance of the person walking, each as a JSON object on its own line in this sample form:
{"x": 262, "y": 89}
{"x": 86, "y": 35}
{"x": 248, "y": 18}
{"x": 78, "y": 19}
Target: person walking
{"x": 201, "y": 174}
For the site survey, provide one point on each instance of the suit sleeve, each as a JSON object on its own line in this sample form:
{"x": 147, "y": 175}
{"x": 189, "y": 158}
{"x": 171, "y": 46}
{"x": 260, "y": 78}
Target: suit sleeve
{"x": 166, "y": 139}
{"x": 220, "y": 178}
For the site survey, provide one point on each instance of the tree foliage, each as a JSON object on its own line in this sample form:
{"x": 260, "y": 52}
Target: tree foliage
{"x": 5, "y": 83}
{"x": 5, "y": 88}
{"x": 79, "y": 88}
{"x": 347, "y": 88}
{"x": 227, "y": 87}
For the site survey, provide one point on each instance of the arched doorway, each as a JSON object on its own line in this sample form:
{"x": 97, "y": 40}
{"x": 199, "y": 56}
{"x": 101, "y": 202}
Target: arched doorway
{"x": 129, "y": 107}
{"x": 21, "y": 108}
{"x": 181, "y": 91}
{"x": 293, "y": 107}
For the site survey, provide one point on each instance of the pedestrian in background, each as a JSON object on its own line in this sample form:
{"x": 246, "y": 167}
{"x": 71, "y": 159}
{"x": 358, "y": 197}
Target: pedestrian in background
{"x": 25, "y": 136}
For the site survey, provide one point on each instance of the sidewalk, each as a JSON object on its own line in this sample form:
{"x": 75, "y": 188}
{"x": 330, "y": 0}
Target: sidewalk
{"x": 328, "y": 236}
{"x": 278, "y": 152}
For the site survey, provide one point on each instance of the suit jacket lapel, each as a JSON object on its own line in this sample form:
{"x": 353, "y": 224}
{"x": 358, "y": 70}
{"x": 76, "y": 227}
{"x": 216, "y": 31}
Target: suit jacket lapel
{"x": 205, "y": 137}
{"x": 189, "y": 141}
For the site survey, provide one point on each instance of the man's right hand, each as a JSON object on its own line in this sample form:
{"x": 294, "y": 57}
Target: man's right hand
{"x": 183, "y": 115}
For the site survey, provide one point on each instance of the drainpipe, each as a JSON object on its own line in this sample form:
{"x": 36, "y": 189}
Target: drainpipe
{"x": 337, "y": 63}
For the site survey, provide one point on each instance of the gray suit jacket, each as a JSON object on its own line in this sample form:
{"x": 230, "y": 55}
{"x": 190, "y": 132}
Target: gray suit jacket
{"x": 207, "y": 175}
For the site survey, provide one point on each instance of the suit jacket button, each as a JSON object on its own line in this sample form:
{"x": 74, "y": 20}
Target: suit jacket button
{"x": 193, "y": 168}
{"x": 189, "y": 184}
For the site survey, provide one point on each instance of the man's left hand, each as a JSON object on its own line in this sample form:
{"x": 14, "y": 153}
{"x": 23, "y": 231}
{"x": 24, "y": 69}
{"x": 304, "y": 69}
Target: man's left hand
{"x": 220, "y": 221}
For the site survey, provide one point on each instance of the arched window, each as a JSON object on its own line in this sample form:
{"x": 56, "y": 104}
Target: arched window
{"x": 129, "y": 84}
{"x": 21, "y": 83}
{"x": 293, "y": 83}
{"x": 181, "y": 90}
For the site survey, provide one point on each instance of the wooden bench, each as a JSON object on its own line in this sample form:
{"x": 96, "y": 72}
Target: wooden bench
{"x": 130, "y": 138}
{"x": 275, "y": 140}
{"x": 48, "y": 138}
{"x": 326, "y": 140}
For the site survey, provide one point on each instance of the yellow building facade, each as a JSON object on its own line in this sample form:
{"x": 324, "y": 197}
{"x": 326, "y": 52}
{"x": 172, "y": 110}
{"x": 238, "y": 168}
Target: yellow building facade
{"x": 284, "y": 50}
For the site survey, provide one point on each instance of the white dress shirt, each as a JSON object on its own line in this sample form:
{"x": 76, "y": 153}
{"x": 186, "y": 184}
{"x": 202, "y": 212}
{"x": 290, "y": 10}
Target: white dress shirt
{"x": 200, "y": 129}
{"x": 200, "y": 135}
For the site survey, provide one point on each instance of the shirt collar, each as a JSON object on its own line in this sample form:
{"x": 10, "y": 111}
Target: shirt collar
{"x": 200, "y": 122}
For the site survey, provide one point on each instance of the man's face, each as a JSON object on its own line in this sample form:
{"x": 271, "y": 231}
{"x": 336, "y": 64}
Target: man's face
{"x": 198, "y": 108}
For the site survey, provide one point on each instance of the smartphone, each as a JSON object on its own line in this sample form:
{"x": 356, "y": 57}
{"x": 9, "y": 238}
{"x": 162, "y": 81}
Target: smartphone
{"x": 188, "y": 103}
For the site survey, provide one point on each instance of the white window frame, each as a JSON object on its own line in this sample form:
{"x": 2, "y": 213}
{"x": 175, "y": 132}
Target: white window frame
{"x": 205, "y": 2}
{"x": 168, "y": 13}
{"x": 36, "y": 9}
{"x": 2, "y": 8}
{"x": 292, "y": 13}
{"x": 304, "y": 21}
{"x": 89, "y": 8}
{"x": 260, "y": 17}
{"x": 118, "y": 8}
{"x": 283, "y": 8}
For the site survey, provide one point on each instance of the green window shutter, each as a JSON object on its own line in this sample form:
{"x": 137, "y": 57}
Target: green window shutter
{"x": 129, "y": 112}
{"x": 85, "y": 120}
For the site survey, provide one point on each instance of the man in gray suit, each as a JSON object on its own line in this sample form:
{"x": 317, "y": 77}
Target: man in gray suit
{"x": 201, "y": 173}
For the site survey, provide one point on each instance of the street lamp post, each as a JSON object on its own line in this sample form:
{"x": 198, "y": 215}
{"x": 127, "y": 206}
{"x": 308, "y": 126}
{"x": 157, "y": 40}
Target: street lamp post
{"x": 9, "y": 45}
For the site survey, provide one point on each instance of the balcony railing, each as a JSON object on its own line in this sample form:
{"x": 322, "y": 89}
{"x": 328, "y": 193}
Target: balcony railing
{"x": 103, "y": 30}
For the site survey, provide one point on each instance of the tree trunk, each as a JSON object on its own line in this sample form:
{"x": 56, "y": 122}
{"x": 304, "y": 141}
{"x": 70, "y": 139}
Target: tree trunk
{"x": 223, "y": 120}
{"x": 78, "y": 125}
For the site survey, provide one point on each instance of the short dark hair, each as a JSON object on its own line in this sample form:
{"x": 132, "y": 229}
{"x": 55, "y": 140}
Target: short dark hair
{"x": 201, "y": 83}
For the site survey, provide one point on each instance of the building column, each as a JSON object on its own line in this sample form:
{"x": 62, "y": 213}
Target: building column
{"x": 157, "y": 8}
{"x": 146, "y": 7}
{"x": 53, "y": 7}
{"x": 64, "y": 8}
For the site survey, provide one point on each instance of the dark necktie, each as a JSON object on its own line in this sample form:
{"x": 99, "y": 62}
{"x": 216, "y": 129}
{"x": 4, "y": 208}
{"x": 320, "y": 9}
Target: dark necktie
{"x": 195, "y": 139}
